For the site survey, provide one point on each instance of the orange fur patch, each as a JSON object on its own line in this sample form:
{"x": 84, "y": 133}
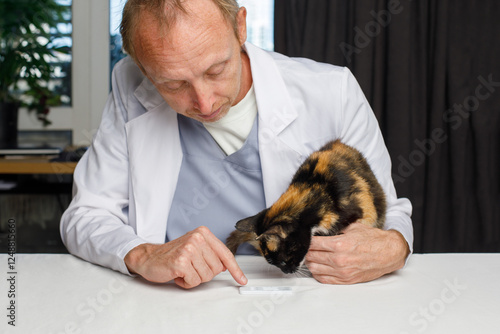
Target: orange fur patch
{"x": 336, "y": 156}
{"x": 256, "y": 244}
{"x": 287, "y": 201}
{"x": 365, "y": 199}
{"x": 323, "y": 164}
{"x": 341, "y": 149}
{"x": 328, "y": 220}
{"x": 272, "y": 243}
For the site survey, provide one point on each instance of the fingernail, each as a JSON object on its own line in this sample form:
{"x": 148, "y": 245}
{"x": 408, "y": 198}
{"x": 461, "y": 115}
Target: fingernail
{"x": 244, "y": 280}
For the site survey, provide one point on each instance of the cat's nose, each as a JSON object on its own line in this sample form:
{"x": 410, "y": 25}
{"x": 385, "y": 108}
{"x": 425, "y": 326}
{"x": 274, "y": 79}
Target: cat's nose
{"x": 288, "y": 270}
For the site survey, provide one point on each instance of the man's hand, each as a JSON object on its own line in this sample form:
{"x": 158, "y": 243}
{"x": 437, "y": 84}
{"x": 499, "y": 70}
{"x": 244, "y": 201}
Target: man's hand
{"x": 360, "y": 254}
{"x": 190, "y": 260}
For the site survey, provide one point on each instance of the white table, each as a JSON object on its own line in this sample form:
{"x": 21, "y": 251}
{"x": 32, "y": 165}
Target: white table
{"x": 440, "y": 293}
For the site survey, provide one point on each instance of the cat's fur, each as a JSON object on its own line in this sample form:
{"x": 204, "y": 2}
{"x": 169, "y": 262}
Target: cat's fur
{"x": 333, "y": 188}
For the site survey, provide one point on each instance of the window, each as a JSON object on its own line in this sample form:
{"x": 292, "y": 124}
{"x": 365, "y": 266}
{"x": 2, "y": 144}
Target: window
{"x": 115, "y": 39}
{"x": 61, "y": 82}
{"x": 60, "y": 37}
{"x": 260, "y": 22}
{"x": 260, "y": 25}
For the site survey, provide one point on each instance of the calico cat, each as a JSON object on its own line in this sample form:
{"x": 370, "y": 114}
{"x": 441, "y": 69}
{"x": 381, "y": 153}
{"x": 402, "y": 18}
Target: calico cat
{"x": 333, "y": 188}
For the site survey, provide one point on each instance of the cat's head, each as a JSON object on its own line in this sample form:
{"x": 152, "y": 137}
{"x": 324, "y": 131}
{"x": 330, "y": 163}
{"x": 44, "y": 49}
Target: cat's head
{"x": 279, "y": 238}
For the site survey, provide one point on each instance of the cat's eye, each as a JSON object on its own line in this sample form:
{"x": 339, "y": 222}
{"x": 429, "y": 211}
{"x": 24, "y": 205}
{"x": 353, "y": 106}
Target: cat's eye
{"x": 283, "y": 263}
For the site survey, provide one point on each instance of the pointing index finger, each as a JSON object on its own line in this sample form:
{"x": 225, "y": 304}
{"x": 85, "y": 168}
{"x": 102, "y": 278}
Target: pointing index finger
{"x": 227, "y": 258}
{"x": 234, "y": 269}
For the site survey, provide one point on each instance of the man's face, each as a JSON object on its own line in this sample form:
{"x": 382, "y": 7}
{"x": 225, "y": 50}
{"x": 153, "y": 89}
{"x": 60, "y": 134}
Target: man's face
{"x": 197, "y": 66}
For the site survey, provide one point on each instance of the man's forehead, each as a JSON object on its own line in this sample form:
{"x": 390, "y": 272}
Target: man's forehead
{"x": 195, "y": 11}
{"x": 186, "y": 25}
{"x": 170, "y": 64}
{"x": 199, "y": 42}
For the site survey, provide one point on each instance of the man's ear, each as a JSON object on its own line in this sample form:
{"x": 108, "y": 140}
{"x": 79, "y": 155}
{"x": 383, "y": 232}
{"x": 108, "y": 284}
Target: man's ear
{"x": 241, "y": 25}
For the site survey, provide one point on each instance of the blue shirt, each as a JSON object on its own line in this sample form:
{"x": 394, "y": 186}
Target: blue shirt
{"x": 213, "y": 189}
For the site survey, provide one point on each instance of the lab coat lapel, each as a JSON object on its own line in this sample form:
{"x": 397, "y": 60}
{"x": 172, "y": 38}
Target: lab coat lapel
{"x": 155, "y": 158}
{"x": 279, "y": 150}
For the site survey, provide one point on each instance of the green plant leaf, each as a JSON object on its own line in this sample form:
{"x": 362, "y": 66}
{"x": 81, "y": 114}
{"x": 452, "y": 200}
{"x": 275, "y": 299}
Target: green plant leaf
{"x": 27, "y": 29}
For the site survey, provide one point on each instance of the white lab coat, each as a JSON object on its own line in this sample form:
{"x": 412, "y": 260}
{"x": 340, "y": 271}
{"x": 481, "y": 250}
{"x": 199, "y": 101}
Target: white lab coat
{"x": 125, "y": 183}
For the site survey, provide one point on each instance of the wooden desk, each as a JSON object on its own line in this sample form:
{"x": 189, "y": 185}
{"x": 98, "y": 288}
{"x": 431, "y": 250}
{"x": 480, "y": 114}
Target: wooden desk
{"x": 35, "y": 165}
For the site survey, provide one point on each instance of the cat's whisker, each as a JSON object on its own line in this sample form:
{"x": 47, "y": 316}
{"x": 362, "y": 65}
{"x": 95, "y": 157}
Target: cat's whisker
{"x": 298, "y": 274}
{"x": 303, "y": 271}
{"x": 270, "y": 268}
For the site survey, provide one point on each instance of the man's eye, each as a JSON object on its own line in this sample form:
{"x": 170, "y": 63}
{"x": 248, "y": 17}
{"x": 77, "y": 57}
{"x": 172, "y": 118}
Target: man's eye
{"x": 173, "y": 86}
{"x": 216, "y": 70}
{"x": 214, "y": 74}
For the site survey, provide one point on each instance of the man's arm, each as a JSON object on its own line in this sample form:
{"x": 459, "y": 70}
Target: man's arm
{"x": 95, "y": 226}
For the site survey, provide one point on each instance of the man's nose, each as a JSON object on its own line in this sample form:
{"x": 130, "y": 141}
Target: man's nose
{"x": 203, "y": 98}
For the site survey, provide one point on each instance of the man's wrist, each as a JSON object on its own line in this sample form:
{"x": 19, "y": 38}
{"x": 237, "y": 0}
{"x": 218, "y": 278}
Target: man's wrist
{"x": 134, "y": 257}
{"x": 400, "y": 247}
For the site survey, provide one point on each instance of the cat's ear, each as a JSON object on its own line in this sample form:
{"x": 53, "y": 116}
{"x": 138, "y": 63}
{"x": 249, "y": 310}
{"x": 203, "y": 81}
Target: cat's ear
{"x": 280, "y": 228}
{"x": 275, "y": 230}
{"x": 249, "y": 224}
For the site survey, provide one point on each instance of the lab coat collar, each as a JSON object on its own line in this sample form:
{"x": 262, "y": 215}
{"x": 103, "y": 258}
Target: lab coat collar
{"x": 147, "y": 95}
{"x": 273, "y": 100}
{"x": 276, "y": 113}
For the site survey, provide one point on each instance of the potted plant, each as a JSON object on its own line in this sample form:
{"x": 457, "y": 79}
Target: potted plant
{"x": 27, "y": 31}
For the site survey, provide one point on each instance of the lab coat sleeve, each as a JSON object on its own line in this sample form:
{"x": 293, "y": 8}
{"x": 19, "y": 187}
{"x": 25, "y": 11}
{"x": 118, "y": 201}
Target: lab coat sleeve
{"x": 360, "y": 129}
{"x": 96, "y": 226}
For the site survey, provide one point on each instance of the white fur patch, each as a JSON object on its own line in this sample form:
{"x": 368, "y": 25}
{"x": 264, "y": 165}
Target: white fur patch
{"x": 320, "y": 229}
